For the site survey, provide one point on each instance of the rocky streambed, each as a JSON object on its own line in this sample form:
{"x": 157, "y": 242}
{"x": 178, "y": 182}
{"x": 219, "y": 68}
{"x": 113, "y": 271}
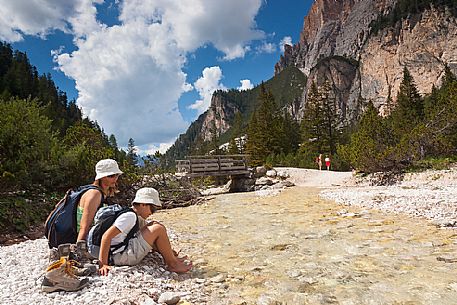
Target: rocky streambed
{"x": 297, "y": 248}
{"x": 288, "y": 247}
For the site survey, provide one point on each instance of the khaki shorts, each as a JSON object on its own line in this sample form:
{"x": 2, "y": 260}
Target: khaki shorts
{"x": 136, "y": 250}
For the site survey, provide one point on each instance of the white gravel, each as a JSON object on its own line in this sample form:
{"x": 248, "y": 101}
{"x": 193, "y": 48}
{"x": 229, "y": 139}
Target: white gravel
{"x": 431, "y": 195}
{"x": 22, "y": 266}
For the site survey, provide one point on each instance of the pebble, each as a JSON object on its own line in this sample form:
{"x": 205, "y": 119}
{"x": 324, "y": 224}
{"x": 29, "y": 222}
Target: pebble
{"x": 220, "y": 278}
{"x": 148, "y": 301}
{"x": 169, "y": 298}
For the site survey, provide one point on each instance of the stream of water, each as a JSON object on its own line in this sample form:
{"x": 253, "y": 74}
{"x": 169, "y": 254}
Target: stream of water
{"x": 295, "y": 248}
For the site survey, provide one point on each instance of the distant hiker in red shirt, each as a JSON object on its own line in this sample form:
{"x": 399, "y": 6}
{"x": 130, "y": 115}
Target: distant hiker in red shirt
{"x": 327, "y": 162}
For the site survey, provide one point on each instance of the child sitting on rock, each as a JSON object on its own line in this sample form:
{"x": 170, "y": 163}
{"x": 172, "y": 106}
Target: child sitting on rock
{"x": 151, "y": 235}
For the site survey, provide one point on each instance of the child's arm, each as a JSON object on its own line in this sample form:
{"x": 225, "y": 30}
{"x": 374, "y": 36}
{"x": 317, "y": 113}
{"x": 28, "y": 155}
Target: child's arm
{"x": 105, "y": 245}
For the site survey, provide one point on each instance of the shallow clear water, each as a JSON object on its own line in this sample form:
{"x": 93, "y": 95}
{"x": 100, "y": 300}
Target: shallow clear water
{"x": 295, "y": 248}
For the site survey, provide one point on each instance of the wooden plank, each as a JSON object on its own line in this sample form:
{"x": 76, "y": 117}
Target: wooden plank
{"x": 206, "y": 165}
{"x": 222, "y": 173}
{"x": 233, "y": 168}
{"x": 205, "y": 169}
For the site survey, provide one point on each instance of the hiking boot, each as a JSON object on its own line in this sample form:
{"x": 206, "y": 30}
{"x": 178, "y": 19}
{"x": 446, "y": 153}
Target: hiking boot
{"x": 64, "y": 250}
{"x": 81, "y": 259}
{"x": 81, "y": 252}
{"x": 60, "y": 277}
{"x": 86, "y": 270}
{"x": 53, "y": 255}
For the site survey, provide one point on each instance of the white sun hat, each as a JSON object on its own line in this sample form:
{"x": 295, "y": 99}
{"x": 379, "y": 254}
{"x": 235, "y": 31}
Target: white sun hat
{"x": 106, "y": 167}
{"x": 147, "y": 195}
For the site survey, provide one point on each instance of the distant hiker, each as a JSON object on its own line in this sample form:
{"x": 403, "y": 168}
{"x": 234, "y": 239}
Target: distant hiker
{"x": 319, "y": 161}
{"x": 327, "y": 162}
{"x": 152, "y": 235}
{"x": 68, "y": 225}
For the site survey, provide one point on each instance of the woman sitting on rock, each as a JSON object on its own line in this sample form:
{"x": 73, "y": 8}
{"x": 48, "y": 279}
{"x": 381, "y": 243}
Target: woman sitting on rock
{"x": 151, "y": 235}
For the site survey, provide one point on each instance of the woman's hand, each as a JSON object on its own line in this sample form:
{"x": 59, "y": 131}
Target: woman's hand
{"x": 104, "y": 269}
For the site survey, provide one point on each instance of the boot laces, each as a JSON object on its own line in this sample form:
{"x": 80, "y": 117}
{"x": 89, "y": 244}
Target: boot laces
{"x": 70, "y": 268}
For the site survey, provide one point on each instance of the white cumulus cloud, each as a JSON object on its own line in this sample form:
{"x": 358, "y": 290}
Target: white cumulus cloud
{"x": 245, "y": 84}
{"x": 151, "y": 149}
{"x": 42, "y": 17}
{"x": 205, "y": 86}
{"x": 228, "y": 25}
{"x": 130, "y": 76}
{"x": 266, "y": 47}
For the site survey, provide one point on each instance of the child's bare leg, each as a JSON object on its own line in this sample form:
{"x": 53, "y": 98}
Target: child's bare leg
{"x": 156, "y": 235}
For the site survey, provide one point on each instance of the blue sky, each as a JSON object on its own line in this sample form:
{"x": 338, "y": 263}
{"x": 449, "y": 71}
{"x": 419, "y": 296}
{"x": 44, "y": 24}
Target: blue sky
{"x": 145, "y": 69}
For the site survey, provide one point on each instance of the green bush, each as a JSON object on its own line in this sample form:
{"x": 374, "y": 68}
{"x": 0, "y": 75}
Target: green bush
{"x": 26, "y": 142}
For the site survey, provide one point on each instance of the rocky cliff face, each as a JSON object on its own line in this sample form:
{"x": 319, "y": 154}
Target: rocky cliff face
{"x": 218, "y": 117}
{"x": 337, "y": 30}
{"x": 341, "y": 73}
{"x": 333, "y": 27}
{"x": 424, "y": 46}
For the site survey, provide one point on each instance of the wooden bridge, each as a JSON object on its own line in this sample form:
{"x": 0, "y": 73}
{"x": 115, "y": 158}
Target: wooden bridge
{"x": 216, "y": 165}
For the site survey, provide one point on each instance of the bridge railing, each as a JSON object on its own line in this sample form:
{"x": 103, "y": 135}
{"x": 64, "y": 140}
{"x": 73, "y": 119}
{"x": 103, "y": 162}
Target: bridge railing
{"x": 214, "y": 165}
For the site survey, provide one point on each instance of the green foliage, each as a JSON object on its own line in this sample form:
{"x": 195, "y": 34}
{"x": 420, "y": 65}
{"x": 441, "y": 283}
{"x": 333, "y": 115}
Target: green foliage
{"x": 132, "y": 156}
{"x": 269, "y": 132}
{"x": 433, "y": 163}
{"x": 18, "y": 78}
{"x": 233, "y": 147}
{"x": 417, "y": 130}
{"x": 369, "y": 148}
{"x": 321, "y": 125}
{"x": 261, "y": 135}
{"x": 409, "y": 110}
{"x": 26, "y": 142}
{"x": 44, "y": 143}
{"x": 82, "y": 147}
{"x": 18, "y": 212}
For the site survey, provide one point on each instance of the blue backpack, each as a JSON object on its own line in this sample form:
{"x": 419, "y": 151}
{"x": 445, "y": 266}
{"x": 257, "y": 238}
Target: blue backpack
{"x": 103, "y": 220}
{"x": 60, "y": 226}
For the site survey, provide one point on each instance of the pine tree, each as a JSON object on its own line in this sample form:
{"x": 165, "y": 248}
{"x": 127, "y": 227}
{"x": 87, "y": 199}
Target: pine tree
{"x": 132, "y": 157}
{"x": 311, "y": 124}
{"x": 369, "y": 146}
{"x": 330, "y": 121}
{"x": 233, "y": 147}
{"x": 262, "y": 138}
{"x": 289, "y": 134}
{"x": 321, "y": 124}
{"x": 409, "y": 110}
{"x": 235, "y": 144}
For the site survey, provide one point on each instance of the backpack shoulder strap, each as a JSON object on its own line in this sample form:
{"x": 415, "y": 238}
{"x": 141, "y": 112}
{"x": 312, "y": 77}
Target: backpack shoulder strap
{"x": 85, "y": 188}
{"x": 130, "y": 234}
